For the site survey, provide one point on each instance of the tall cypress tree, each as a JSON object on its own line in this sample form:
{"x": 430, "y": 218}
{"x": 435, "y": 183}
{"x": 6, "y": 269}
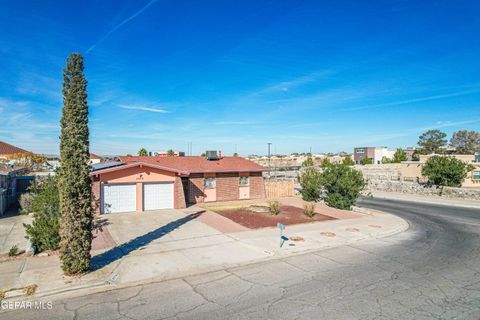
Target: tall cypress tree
{"x": 74, "y": 180}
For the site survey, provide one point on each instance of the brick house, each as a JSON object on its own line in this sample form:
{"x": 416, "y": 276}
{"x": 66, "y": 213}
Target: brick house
{"x": 8, "y": 150}
{"x": 141, "y": 183}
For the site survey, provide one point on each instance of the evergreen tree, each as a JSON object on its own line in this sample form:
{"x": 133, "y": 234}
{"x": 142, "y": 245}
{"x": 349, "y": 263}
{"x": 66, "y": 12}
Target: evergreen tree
{"x": 43, "y": 232}
{"x": 142, "y": 152}
{"x": 432, "y": 140}
{"x": 74, "y": 180}
{"x": 466, "y": 142}
{"x": 399, "y": 156}
{"x": 342, "y": 186}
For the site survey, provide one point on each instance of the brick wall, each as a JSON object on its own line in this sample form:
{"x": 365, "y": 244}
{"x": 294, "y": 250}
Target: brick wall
{"x": 195, "y": 188}
{"x": 227, "y": 186}
{"x": 179, "y": 194}
{"x": 96, "y": 202}
{"x": 257, "y": 185}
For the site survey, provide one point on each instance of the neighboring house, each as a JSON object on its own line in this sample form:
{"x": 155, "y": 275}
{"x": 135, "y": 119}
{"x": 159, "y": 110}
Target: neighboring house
{"x": 375, "y": 153}
{"x": 412, "y": 170}
{"x": 151, "y": 183}
{"x": 8, "y": 150}
{"x": 8, "y": 188}
{"x": 95, "y": 159}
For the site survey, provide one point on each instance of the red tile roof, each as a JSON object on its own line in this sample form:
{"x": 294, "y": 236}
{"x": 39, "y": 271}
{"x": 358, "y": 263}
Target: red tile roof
{"x": 94, "y": 156}
{"x": 197, "y": 164}
{"x": 8, "y": 149}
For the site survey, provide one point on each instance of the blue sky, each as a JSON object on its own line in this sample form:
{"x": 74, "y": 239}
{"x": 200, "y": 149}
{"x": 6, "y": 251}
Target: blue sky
{"x": 300, "y": 74}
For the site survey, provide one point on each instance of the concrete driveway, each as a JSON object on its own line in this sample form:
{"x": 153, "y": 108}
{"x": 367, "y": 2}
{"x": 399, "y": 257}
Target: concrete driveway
{"x": 167, "y": 243}
{"x": 12, "y": 232}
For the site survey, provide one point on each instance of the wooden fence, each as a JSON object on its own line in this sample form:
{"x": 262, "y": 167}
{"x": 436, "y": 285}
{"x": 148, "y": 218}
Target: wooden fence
{"x": 279, "y": 188}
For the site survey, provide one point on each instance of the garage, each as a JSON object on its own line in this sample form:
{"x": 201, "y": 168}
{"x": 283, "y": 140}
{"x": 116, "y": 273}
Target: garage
{"x": 158, "y": 196}
{"x": 119, "y": 198}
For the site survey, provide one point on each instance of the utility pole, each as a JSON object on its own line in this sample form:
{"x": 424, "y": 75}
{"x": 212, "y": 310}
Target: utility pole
{"x": 269, "y": 167}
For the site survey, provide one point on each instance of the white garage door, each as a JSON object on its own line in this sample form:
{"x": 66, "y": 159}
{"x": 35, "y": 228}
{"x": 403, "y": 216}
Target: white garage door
{"x": 157, "y": 196}
{"x": 119, "y": 198}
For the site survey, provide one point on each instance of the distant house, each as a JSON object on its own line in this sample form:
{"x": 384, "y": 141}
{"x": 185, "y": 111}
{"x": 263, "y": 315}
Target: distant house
{"x": 375, "y": 153}
{"x": 143, "y": 183}
{"x": 8, "y": 150}
{"x": 95, "y": 159}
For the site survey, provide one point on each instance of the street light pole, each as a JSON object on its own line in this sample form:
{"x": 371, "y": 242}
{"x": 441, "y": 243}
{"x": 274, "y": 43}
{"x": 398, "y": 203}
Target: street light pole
{"x": 269, "y": 167}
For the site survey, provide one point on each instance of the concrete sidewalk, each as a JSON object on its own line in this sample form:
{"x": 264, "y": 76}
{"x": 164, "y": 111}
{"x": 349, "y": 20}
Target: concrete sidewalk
{"x": 432, "y": 199}
{"x": 188, "y": 248}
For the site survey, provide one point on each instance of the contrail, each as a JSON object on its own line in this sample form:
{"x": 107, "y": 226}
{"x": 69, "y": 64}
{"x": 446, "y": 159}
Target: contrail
{"x": 133, "y": 16}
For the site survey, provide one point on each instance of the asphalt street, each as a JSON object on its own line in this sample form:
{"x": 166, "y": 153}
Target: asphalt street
{"x": 431, "y": 271}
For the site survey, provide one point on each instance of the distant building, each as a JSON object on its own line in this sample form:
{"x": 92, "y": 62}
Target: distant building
{"x": 165, "y": 154}
{"x": 95, "y": 159}
{"x": 412, "y": 170}
{"x": 375, "y": 153}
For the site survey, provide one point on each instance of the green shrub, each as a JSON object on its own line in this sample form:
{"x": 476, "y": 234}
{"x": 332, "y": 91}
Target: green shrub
{"x": 44, "y": 230}
{"x": 309, "y": 209}
{"x": 365, "y": 161}
{"x": 348, "y": 161}
{"x": 13, "y": 251}
{"x": 445, "y": 171}
{"x": 341, "y": 185}
{"x": 274, "y": 207}
{"x": 310, "y": 183}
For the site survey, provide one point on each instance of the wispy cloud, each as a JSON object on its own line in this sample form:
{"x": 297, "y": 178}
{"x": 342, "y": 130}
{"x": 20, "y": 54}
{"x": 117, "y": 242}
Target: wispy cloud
{"x": 116, "y": 27}
{"x": 233, "y": 123}
{"x": 143, "y": 108}
{"x": 416, "y": 100}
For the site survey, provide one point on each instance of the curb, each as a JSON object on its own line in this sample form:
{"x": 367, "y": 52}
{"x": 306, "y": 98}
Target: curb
{"x": 441, "y": 202}
{"x": 105, "y": 285}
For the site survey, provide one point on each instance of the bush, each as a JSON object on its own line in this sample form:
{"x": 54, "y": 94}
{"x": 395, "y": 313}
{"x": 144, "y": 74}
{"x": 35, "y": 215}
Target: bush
{"x": 309, "y": 209}
{"x": 348, "y": 161}
{"x": 366, "y": 161}
{"x": 44, "y": 230}
{"x": 274, "y": 207}
{"x": 445, "y": 171}
{"x": 310, "y": 183}
{"x": 342, "y": 186}
{"x": 26, "y": 203}
{"x": 13, "y": 251}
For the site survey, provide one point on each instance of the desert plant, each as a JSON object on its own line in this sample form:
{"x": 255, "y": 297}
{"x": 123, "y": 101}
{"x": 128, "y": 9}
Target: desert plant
{"x": 445, "y": 171}
{"x": 75, "y": 184}
{"x": 25, "y": 201}
{"x": 342, "y": 186}
{"x": 30, "y": 289}
{"x": 310, "y": 183}
{"x": 13, "y": 251}
{"x": 274, "y": 207}
{"x": 44, "y": 230}
{"x": 309, "y": 209}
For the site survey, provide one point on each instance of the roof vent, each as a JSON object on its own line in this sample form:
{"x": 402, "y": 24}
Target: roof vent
{"x": 211, "y": 155}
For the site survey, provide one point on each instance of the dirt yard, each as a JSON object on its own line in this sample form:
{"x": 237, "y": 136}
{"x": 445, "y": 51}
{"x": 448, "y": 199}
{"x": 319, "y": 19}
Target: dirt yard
{"x": 254, "y": 220}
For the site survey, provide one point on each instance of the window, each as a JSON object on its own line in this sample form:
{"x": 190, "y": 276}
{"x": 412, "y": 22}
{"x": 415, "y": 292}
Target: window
{"x": 209, "y": 182}
{"x": 360, "y": 150}
{"x": 244, "y": 181}
{"x": 476, "y": 175}
{"x": 477, "y": 158}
